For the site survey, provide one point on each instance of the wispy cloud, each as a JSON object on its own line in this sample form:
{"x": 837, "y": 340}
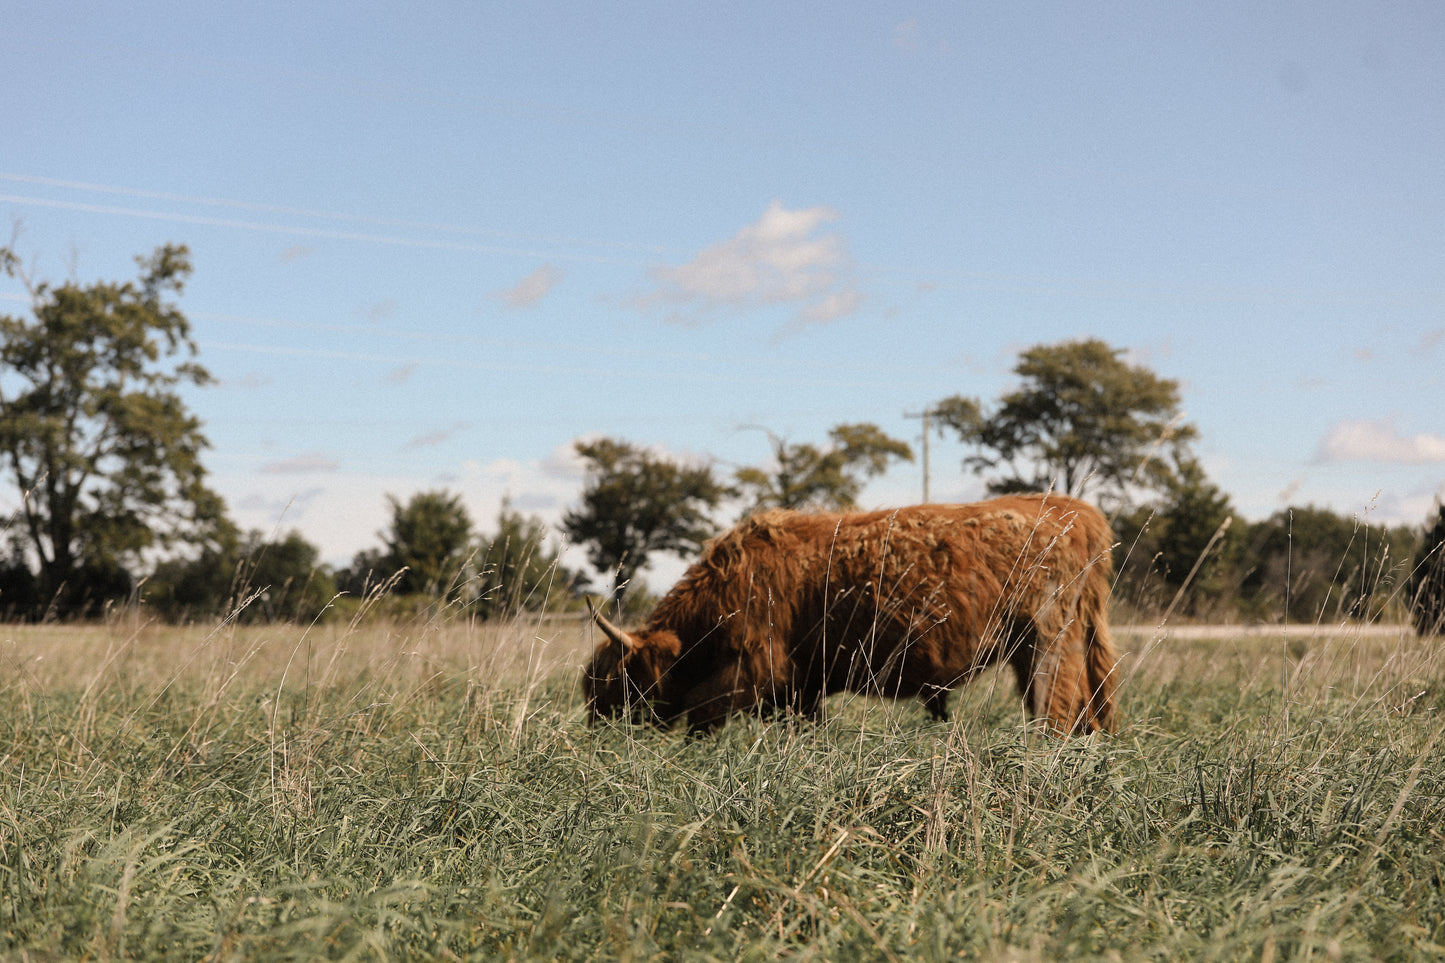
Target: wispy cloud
{"x": 785, "y": 258}
{"x": 295, "y": 252}
{"x": 401, "y": 374}
{"x": 1379, "y": 441}
{"x": 905, "y": 34}
{"x": 248, "y": 381}
{"x": 380, "y": 311}
{"x": 837, "y": 305}
{"x": 532, "y": 288}
{"x": 292, "y": 507}
{"x": 309, "y": 463}
{"x": 434, "y": 438}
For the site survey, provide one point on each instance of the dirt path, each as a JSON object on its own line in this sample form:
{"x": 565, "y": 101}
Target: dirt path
{"x": 1292, "y": 631}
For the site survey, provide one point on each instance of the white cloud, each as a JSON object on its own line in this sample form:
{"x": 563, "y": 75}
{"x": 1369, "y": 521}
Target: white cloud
{"x": 351, "y": 512}
{"x": 564, "y": 464}
{"x": 785, "y": 258}
{"x": 1379, "y": 441}
{"x": 532, "y": 288}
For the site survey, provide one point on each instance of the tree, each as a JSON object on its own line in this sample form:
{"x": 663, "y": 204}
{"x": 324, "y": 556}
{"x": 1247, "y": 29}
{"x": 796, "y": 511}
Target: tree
{"x": 806, "y": 476}
{"x": 1187, "y": 538}
{"x": 202, "y": 586}
{"x": 516, "y": 570}
{"x": 93, "y": 432}
{"x": 431, "y": 537}
{"x": 636, "y": 503}
{"x": 1082, "y": 419}
{"x": 1426, "y": 589}
{"x": 288, "y": 574}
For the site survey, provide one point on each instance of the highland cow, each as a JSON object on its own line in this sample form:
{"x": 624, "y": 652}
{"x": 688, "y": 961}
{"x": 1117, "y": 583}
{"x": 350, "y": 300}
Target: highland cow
{"x": 788, "y": 607}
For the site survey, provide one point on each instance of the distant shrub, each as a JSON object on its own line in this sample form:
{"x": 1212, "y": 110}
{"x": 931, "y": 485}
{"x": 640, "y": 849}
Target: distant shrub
{"x": 250, "y": 577}
{"x": 1309, "y": 564}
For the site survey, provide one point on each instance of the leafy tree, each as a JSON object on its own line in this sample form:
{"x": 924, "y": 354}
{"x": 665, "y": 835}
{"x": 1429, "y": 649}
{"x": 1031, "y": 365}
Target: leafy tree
{"x": 1181, "y": 552}
{"x": 93, "y": 432}
{"x": 635, "y": 503}
{"x": 806, "y": 476}
{"x": 1426, "y": 590}
{"x": 288, "y": 573}
{"x": 431, "y": 537}
{"x": 517, "y": 571}
{"x": 248, "y": 576}
{"x": 1199, "y": 541}
{"x": 1082, "y": 419}
{"x": 202, "y": 586}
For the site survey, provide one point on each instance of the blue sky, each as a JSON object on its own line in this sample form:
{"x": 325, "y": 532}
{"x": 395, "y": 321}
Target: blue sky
{"x": 436, "y": 243}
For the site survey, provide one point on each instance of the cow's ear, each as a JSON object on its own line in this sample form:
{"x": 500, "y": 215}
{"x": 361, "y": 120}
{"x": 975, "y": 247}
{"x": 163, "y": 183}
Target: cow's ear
{"x": 619, "y": 638}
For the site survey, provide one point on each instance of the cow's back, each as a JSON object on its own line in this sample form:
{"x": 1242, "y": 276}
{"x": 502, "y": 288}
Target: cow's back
{"x": 897, "y": 599}
{"x": 923, "y": 596}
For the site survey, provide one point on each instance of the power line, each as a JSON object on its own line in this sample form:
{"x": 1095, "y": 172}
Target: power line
{"x": 1102, "y": 289}
{"x": 1108, "y": 289}
{"x": 323, "y": 214}
{"x": 591, "y": 352}
{"x": 301, "y": 231}
{"x": 693, "y": 376}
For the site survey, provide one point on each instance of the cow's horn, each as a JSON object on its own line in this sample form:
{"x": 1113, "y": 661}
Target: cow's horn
{"x": 621, "y": 638}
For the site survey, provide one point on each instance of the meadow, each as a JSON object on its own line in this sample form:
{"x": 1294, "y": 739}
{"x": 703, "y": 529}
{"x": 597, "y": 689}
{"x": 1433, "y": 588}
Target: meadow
{"x": 429, "y": 789}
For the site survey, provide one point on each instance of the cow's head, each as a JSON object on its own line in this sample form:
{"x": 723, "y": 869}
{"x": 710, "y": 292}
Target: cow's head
{"x": 628, "y": 673}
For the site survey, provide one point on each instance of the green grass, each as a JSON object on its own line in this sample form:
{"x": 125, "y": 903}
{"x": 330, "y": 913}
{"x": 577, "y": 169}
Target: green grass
{"x": 430, "y": 791}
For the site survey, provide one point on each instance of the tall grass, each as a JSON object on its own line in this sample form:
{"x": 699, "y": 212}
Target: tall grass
{"x": 429, "y": 790}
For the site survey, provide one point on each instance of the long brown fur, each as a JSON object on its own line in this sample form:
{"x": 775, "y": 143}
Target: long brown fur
{"x": 787, "y": 607}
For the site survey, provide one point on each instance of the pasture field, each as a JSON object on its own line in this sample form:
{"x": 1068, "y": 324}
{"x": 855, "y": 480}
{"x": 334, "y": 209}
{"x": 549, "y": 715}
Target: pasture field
{"x": 430, "y": 790}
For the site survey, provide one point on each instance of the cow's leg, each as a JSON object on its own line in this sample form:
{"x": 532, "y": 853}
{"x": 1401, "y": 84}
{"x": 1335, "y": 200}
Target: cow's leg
{"x": 1051, "y": 667}
{"x": 1018, "y": 646}
{"x": 1062, "y": 687}
{"x": 1100, "y": 663}
{"x": 935, "y": 700}
{"x": 1059, "y": 681}
{"x": 1021, "y": 660}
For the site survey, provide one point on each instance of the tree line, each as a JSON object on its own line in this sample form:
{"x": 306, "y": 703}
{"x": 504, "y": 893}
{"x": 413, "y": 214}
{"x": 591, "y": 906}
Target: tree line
{"x": 105, "y": 459}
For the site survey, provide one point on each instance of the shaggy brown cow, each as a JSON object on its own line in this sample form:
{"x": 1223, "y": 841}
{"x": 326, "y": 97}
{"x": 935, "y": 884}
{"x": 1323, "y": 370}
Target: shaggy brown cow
{"x": 788, "y": 607}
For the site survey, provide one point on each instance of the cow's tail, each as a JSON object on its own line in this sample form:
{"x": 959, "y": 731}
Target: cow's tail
{"x": 1100, "y": 658}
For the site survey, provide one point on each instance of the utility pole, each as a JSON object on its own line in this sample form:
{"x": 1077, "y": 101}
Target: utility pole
{"x": 924, "y": 414}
